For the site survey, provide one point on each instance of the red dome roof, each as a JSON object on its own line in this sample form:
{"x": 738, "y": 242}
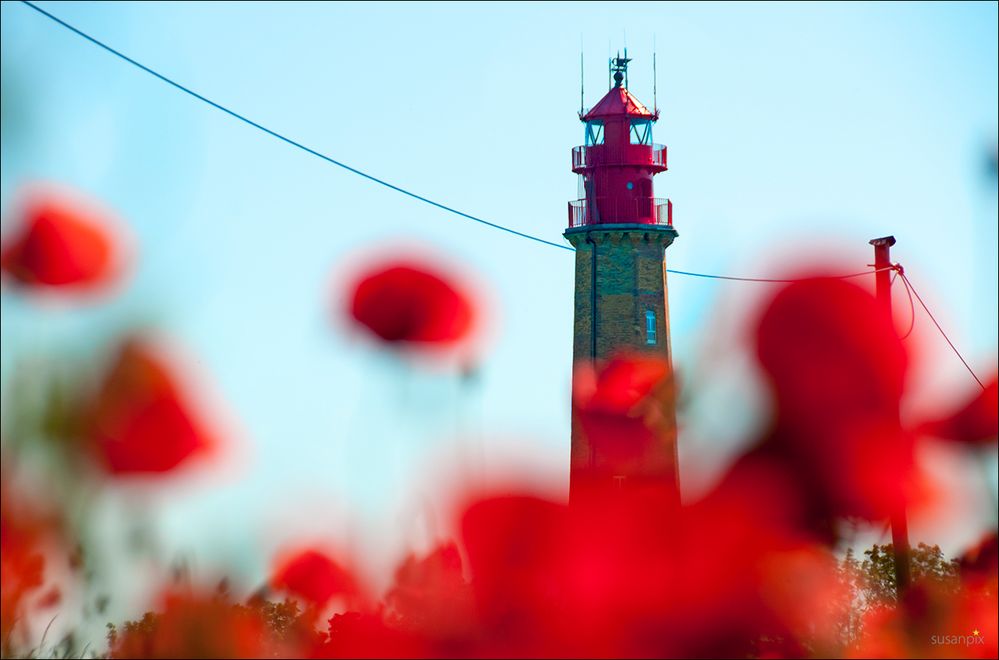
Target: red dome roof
{"x": 618, "y": 101}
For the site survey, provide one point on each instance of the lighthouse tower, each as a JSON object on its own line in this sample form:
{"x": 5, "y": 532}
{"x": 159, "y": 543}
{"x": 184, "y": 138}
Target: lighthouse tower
{"x": 620, "y": 230}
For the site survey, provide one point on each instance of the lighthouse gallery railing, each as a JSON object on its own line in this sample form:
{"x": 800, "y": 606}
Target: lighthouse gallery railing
{"x": 588, "y": 211}
{"x": 635, "y": 154}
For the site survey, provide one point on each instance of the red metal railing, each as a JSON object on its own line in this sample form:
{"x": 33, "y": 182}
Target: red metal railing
{"x": 634, "y": 154}
{"x": 650, "y": 211}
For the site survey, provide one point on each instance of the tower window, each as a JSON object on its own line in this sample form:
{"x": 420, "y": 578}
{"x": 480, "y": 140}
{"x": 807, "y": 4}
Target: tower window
{"x": 641, "y": 131}
{"x": 650, "y": 327}
{"x": 594, "y": 133}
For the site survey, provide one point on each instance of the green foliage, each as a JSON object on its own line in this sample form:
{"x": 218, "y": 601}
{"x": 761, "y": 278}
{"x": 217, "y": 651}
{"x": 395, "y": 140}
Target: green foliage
{"x": 145, "y": 627}
{"x": 285, "y": 621}
{"x": 848, "y": 615}
{"x": 927, "y": 563}
{"x": 286, "y": 624}
{"x": 870, "y": 583}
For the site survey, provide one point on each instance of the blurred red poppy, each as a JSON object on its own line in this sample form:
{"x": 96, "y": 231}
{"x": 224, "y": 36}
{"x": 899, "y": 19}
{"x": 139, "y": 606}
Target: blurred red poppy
{"x": 932, "y": 621}
{"x": 979, "y": 565}
{"x": 25, "y": 529}
{"x": 410, "y": 304}
{"x": 62, "y": 242}
{"x": 21, "y": 568}
{"x": 366, "y": 635}
{"x": 141, "y": 420}
{"x": 620, "y": 384}
{"x": 192, "y": 625}
{"x": 513, "y": 544}
{"x": 623, "y": 406}
{"x": 614, "y": 577}
{"x": 976, "y": 422}
{"x": 312, "y": 575}
{"x": 837, "y": 367}
{"x": 745, "y": 569}
{"x": 430, "y": 595}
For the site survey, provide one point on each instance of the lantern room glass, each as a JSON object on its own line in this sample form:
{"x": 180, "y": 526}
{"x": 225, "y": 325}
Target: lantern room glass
{"x": 641, "y": 131}
{"x": 594, "y": 132}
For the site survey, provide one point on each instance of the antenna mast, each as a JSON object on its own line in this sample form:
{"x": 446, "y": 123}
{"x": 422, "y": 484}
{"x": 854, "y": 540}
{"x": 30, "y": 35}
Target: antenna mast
{"x": 655, "y": 77}
{"x": 626, "y": 65}
{"x": 581, "y": 97}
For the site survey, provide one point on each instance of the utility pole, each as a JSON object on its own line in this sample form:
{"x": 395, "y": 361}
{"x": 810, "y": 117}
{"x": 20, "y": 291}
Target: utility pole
{"x": 899, "y": 524}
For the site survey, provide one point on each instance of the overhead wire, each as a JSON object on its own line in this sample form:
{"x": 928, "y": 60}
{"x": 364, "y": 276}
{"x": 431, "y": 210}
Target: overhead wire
{"x": 279, "y": 136}
{"x": 912, "y": 307}
{"x": 354, "y": 170}
{"x": 444, "y": 207}
{"x": 944, "y": 334}
{"x": 771, "y": 280}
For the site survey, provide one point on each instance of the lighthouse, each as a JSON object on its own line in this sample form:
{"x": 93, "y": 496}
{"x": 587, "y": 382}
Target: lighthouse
{"x": 620, "y": 231}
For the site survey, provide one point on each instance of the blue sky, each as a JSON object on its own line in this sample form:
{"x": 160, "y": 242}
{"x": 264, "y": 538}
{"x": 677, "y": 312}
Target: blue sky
{"x": 795, "y": 133}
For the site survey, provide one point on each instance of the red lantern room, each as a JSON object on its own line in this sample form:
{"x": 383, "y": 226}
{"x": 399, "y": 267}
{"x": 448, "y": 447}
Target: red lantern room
{"x": 618, "y": 160}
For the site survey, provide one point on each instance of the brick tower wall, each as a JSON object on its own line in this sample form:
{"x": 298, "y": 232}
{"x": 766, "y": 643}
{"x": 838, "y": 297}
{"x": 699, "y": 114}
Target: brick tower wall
{"x": 620, "y": 274}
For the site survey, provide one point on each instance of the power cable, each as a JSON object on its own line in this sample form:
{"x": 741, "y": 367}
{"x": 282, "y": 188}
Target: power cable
{"x": 770, "y": 280}
{"x": 283, "y": 138}
{"x": 354, "y": 170}
{"x": 909, "y": 288}
{"x": 949, "y": 342}
{"x": 912, "y": 307}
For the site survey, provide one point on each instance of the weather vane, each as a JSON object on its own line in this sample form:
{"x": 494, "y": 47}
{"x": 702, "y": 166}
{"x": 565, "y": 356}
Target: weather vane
{"x": 619, "y": 67}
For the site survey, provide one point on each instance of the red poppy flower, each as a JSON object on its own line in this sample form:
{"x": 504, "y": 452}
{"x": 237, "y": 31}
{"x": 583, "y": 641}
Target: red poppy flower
{"x": 430, "y": 594}
{"x": 729, "y": 576}
{"x": 312, "y": 575}
{"x": 615, "y": 578}
{"x": 831, "y": 352}
{"x": 742, "y": 562}
{"x": 557, "y": 581}
{"x": 837, "y": 367}
{"x": 25, "y": 532}
{"x": 513, "y": 543}
{"x": 192, "y": 625}
{"x": 979, "y": 565}
{"x": 620, "y": 384}
{"x": 141, "y": 420}
{"x": 22, "y": 567}
{"x": 409, "y": 304}
{"x": 366, "y": 635}
{"x": 624, "y": 408}
{"x": 932, "y": 621}
{"x": 62, "y": 242}
{"x": 976, "y": 422}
